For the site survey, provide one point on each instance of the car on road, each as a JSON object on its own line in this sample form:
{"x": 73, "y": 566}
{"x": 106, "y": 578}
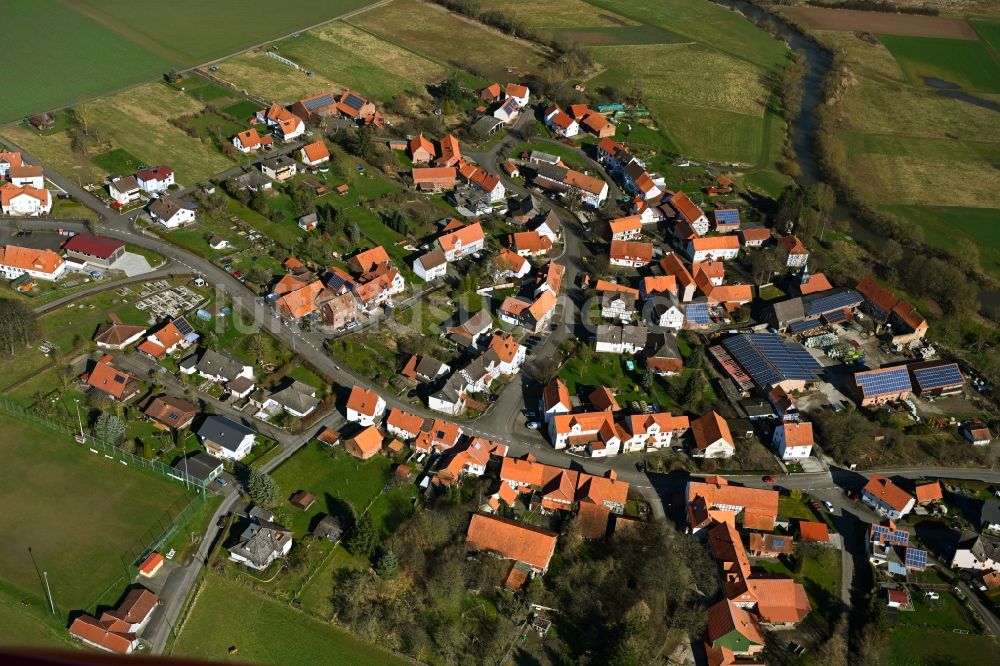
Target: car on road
{"x": 222, "y": 482}
{"x": 412, "y": 393}
{"x": 828, "y": 505}
{"x": 768, "y": 478}
{"x": 816, "y": 505}
{"x": 533, "y": 425}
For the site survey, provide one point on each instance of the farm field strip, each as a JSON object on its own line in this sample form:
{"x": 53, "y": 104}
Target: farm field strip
{"x": 912, "y": 25}
{"x": 971, "y": 64}
{"x": 448, "y": 38}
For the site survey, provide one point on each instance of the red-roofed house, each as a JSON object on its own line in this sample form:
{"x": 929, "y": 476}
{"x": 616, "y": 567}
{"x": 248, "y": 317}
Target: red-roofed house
{"x": 116, "y": 384}
{"x": 886, "y": 498}
{"x": 434, "y": 179}
{"x": 511, "y": 540}
{"x": 422, "y": 150}
{"x": 314, "y": 154}
{"x": 365, "y": 444}
{"x": 712, "y": 438}
{"x": 462, "y": 242}
{"x": 561, "y": 122}
{"x": 929, "y": 492}
{"x": 364, "y": 406}
{"x": 715, "y": 499}
{"x": 625, "y": 228}
{"x": 813, "y": 532}
{"x": 631, "y": 254}
{"x": 689, "y": 211}
{"x": 173, "y": 336}
{"x": 793, "y": 441}
{"x": 718, "y": 248}
{"x": 519, "y": 93}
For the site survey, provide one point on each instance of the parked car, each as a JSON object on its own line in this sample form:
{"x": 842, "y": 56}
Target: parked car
{"x": 533, "y": 425}
{"x": 828, "y": 505}
{"x": 768, "y": 478}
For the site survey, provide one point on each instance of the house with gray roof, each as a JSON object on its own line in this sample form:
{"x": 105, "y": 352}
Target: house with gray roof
{"x": 297, "y": 399}
{"x": 261, "y": 543}
{"x": 215, "y": 366}
{"x": 225, "y": 438}
{"x": 978, "y": 552}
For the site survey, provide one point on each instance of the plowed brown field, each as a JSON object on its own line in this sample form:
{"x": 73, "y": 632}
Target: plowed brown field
{"x": 908, "y": 25}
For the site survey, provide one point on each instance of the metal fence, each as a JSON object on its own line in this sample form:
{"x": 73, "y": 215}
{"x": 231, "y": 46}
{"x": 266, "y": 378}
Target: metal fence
{"x": 100, "y": 447}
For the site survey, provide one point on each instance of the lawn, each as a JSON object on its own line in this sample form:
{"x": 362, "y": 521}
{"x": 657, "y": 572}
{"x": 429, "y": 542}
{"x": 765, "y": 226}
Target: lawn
{"x": 989, "y": 32}
{"x": 452, "y": 40}
{"x": 33, "y": 626}
{"x": 944, "y": 225}
{"x": 609, "y": 370}
{"x": 913, "y": 646}
{"x": 117, "y": 162}
{"x": 334, "y": 480}
{"x": 792, "y": 508}
{"x": 340, "y": 56}
{"x": 82, "y": 515}
{"x": 72, "y": 59}
{"x": 315, "y": 596}
{"x": 619, "y": 35}
{"x": 969, "y": 63}
{"x": 265, "y": 632}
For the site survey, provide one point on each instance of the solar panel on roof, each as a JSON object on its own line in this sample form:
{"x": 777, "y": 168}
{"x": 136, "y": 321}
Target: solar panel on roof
{"x": 727, "y": 216}
{"x": 828, "y": 302}
{"x": 183, "y": 326}
{"x": 897, "y": 568}
{"x": 770, "y": 359}
{"x": 900, "y": 537}
{"x": 354, "y": 102}
{"x": 318, "y": 102}
{"x": 779, "y": 543}
{"x": 938, "y": 376}
{"x": 882, "y": 382}
{"x": 916, "y": 558}
{"x": 835, "y": 317}
{"x": 804, "y": 325}
{"x": 697, "y": 313}
{"x": 879, "y": 532}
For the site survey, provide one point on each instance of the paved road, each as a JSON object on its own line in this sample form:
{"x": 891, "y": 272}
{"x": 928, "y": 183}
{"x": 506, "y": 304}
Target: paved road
{"x": 500, "y": 423}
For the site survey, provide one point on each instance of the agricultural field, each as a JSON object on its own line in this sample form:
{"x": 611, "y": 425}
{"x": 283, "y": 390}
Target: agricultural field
{"x": 707, "y": 94}
{"x": 926, "y": 157}
{"x": 913, "y": 645}
{"x": 970, "y": 63}
{"x": 340, "y": 56}
{"x": 912, "y": 25}
{"x": 64, "y": 64}
{"x": 451, "y": 40}
{"x": 101, "y": 509}
{"x": 136, "y": 127}
{"x": 90, "y": 48}
{"x": 265, "y": 632}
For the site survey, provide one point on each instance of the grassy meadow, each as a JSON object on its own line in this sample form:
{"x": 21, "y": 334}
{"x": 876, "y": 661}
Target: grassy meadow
{"x": 925, "y": 157}
{"x": 971, "y": 64}
{"x": 449, "y": 39}
{"x": 340, "y": 56}
{"x": 78, "y": 511}
{"x": 265, "y": 632}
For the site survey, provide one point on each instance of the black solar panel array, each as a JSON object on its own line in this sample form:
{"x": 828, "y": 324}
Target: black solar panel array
{"x": 354, "y": 102}
{"x": 183, "y": 326}
{"x": 938, "y": 376}
{"x": 319, "y": 102}
{"x": 770, "y": 359}
{"x": 828, "y": 302}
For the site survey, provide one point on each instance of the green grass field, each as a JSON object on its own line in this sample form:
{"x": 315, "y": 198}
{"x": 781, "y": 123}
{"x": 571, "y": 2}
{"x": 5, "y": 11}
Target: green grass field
{"x": 432, "y": 32}
{"x": 971, "y": 64}
{"x": 989, "y": 32}
{"x": 333, "y": 480}
{"x": 78, "y": 511}
{"x": 913, "y": 646}
{"x": 265, "y": 632}
{"x": 57, "y": 57}
{"x": 619, "y": 35}
{"x": 943, "y": 226}
{"x": 89, "y": 48}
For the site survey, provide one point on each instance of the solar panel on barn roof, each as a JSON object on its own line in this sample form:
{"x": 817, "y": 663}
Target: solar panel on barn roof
{"x": 183, "y": 326}
{"x": 916, "y": 558}
{"x": 697, "y": 313}
{"x": 804, "y": 325}
{"x": 938, "y": 376}
{"x": 827, "y": 302}
{"x": 885, "y": 381}
{"x": 727, "y": 216}
{"x": 319, "y": 102}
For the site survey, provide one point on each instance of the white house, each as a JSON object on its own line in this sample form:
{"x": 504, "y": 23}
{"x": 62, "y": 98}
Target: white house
{"x": 976, "y": 552}
{"x": 555, "y": 399}
{"x": 431, "y": 265}
{"x": 518, "y": 93}
{"x": 712, "y": 438}
{"x": 618, "y": 305}
{"x": 507, "y": 111}
{"x": 16, "y": 261}
{"x": 718, "y": 248}
{"x": 666, "y": 314}
{"x": 793, "y": 440}
{"x": 27, "y": 176}
{"x": 886, "y": 498}
{"x": 403, "y": 425}
{"x": 613, "y": 339}
{"x": 364, "y": 407}
{"x": 462, "y": 242}
{"x": 261, "y": 543}
{"x": 225, "y": 438}
{"x": 171, "y": 215}
{"x": 24, "y": 201}
{"x": 155, "y": 180}
{"x": 561, "y": 122}
{"x": 125, "y": 190}
{"x": 652, "y": 431}
{"x": 571, "y": 430}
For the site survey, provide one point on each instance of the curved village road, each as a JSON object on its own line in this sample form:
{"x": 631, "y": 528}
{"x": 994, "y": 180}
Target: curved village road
{"x": 498, "y": 423}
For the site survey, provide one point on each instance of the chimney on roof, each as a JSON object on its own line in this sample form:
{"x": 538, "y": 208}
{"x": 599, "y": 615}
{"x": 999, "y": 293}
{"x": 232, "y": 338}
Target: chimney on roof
{"x": 530, "y": 458}
{"x": 612, "y": 474}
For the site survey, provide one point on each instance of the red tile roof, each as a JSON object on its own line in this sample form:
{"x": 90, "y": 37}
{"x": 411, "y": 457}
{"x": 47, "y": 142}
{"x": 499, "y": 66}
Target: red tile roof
{"x": 813, "y": 531}
{"x": 95, "y": 246}
{"x": 631, "y": 250}
{"x": 362, "y": 401}
{"x": 929, "y": 492}
{"x": 709, "y": 428}
{"x": 512, "y": 540}
{"x": 888, "y": 492}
